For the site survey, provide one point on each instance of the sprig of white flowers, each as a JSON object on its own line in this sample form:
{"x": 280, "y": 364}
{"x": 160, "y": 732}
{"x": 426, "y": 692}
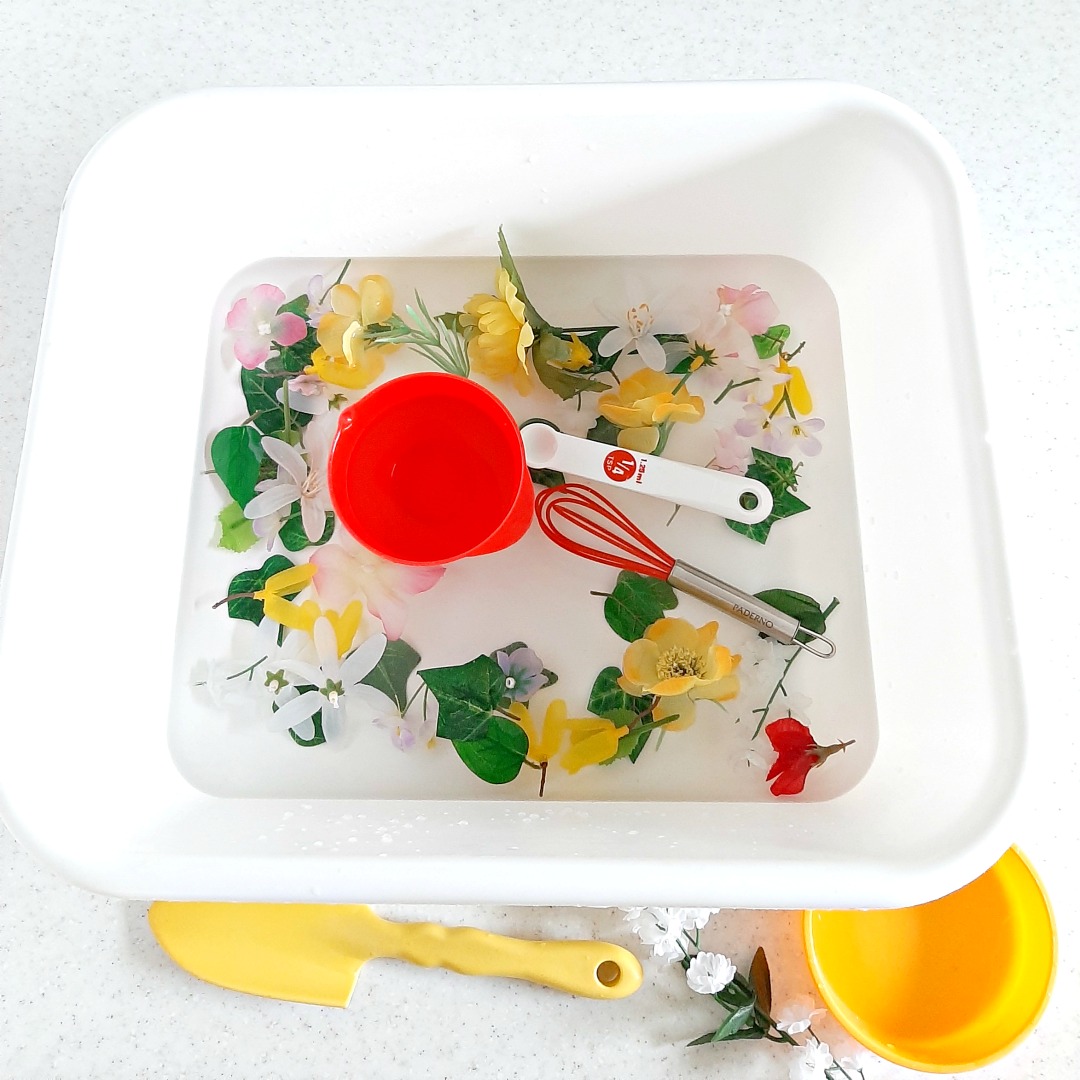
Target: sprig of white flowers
{"x": 674, "y": 934}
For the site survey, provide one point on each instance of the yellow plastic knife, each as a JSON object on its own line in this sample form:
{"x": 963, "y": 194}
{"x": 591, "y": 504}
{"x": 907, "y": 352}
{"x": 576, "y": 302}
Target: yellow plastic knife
{"x": 313, "y": 952}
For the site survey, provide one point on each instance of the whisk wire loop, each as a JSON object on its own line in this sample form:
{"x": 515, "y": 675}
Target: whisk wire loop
{"x": 588, "y": 511}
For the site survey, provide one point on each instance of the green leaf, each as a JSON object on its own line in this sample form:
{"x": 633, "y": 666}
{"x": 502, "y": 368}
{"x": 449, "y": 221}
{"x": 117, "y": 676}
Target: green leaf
{"x": 292, "y": 533}
{"x": 772, "y": 341}
{"x": 451, "y": 320}
{"x": 260, "y": 395}
{"x": 798, "y": 605}
{"x": 779, "y": 475}
{"x": 252, "y": 581}
{"x": 604, "y": 431}
{"x": 497, "y": 757}
{"x": 609, "y": 700}
{"x": 506, "y": 261}
{"x": 236, "y": 531}
{"x": 636, "y": 603}
{"x": 235, "y": 454}
{"x": 567, "y": 384}
{"x": 298, "y": 305}
{"x": 468, "y": 695}
{"x": 391, "y": 673}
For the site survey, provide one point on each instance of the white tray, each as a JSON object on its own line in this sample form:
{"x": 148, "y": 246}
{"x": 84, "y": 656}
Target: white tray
{"x": 171, "y": 205}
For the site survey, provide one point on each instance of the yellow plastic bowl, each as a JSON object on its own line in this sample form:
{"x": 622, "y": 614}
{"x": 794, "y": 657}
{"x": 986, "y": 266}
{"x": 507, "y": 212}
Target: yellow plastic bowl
{"x": 946, "y": 986}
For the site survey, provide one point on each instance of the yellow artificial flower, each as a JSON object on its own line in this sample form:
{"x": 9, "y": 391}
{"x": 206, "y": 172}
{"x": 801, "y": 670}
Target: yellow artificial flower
{"x": 498, "y": 333}
{"x": 645, "y": 400}
{"x": 578, "y": 355}
{"x": 679, "y": 664}
{"x": 592, "y": 739}
{"x": 303, "y": 616}
{"x": 797, "y": 391}
{"x": 343, "y": 358}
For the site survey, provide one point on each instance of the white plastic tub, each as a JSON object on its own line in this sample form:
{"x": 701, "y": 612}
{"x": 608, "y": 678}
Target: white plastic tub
{"x": 177, "y": 200}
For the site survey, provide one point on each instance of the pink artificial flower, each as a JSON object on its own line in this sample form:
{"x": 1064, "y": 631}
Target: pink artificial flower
{"x": 731, "y": 452}
{"x": 256, "y": 327}
{"x": 752, "y": 308}
{"x": 344, "y": 569}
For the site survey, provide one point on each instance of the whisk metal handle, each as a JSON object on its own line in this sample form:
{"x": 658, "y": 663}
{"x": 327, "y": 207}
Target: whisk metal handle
{"x": 746, "y": 608}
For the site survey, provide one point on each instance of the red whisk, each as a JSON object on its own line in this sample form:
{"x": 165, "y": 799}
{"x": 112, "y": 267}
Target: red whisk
{"x": 628, "y": 548}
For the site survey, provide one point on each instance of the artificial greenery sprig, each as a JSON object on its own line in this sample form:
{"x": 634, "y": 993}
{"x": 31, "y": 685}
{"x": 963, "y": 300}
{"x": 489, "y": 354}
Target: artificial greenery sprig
{"x": 435, "y": 337}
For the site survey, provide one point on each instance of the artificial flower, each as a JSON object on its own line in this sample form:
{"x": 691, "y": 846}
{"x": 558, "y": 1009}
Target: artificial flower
{"x": 307, "y": 394}
{"x": 304, "y": 616}
{"x": 577, "y": 355}
{"x": 741, "y": 314}
{"x": 789, "y": 437}
{"x": 524, "y": 672}
{"x": 679, "y": 664}
{"x": 345, "y": 568}
{"x": 797, "y": 753}
{"x": 798, "y": 1015}
{"x": 335, "y": 684}
{"x": 497, "y": 333}
{"x": 811, "y": 1062}
{"x": 592, "y": 739}
{"x": 645, "y": 400}
{"x": 298, "y": 480}
{"x": 226, "y": 685}
{"x": 318, "y": 300}
{"x": 255, "y": 326}
{"x": 636, "y": 329}
{"x": 755, "y": 422}
{"x": 406, "y": 733}
{"x": 731, "y": 452}
{"x": 709, "y": 973}
{"x": 661, "y": 928}
{"x": 792, "y": 382}
{"x": 343, "y": 357}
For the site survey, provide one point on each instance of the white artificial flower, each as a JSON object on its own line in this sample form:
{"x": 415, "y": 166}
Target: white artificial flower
{"x": 227, "y": 683}
{"x": 298, "y": 480}
{"x": 787, "y": 436}
{"x": 798, "y": 1015}
{"x": 659, "y": 928}
{"x": 709, "y": 973}
{"x": 695, "y": 917}
{"x": 337, "y": 683}
{"x": 812, "y": 1061}
{"x": 636, "y": 329}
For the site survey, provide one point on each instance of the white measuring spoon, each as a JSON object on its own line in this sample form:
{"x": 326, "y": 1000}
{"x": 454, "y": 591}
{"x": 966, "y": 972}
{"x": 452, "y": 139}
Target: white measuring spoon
{"x": 737, "y": 498}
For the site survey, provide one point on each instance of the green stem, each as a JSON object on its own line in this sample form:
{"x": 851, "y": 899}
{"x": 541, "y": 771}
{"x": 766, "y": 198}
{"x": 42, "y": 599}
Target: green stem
{"x": 733, "y": 385}
{"x": 416, "y": 693}
{"x": 286, "y": 411}
{"x": 248, "y": 671}
{"x": 340, "y": 276}
{"x": 776, "y": 690}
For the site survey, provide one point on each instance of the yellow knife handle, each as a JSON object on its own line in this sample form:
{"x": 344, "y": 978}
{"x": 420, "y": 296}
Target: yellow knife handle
{"x": 595, "y": 969}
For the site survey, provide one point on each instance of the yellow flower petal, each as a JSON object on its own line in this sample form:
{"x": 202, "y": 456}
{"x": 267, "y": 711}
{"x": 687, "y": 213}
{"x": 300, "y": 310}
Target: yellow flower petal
{"x": 345, "y": 300}
{"x": 681, "y": 706}
{"x": 346, "y": 624}
{"x": 376, "y": 299}
{"x": 642, "y": 439}
{"x": 592, "y": 746}
{"x": 639, "y": 662}
{"x": 330, "y": 331}
{"x": 294, "y": 616}
{"x": 292, "y": 579}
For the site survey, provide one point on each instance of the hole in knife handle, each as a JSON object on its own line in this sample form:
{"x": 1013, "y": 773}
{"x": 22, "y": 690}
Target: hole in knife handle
{"x": 748, "y": 500}
{"x": 608, "y": 973}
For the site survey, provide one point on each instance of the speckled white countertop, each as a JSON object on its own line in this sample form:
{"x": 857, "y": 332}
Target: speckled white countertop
{"x": 84, "y": 991}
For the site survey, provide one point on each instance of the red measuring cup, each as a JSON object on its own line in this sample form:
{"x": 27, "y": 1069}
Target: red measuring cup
{"x": 429, "y": 468}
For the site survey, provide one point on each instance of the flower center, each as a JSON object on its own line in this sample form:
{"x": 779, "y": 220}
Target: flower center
{"x": 312, "y": 485}
{"x": 276, "y": 681}
{"x": 264, "y": 328}
{"x": 510, "y": 682}
{"x": 726, "y": 310}
{"x": 678, "y": 661}
{"x": 334, "y": 691}
{"x": 639, "y": 319}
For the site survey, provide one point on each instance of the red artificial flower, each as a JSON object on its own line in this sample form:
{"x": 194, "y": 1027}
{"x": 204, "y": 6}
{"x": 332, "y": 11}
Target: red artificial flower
{"x": 797, "y": 753}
